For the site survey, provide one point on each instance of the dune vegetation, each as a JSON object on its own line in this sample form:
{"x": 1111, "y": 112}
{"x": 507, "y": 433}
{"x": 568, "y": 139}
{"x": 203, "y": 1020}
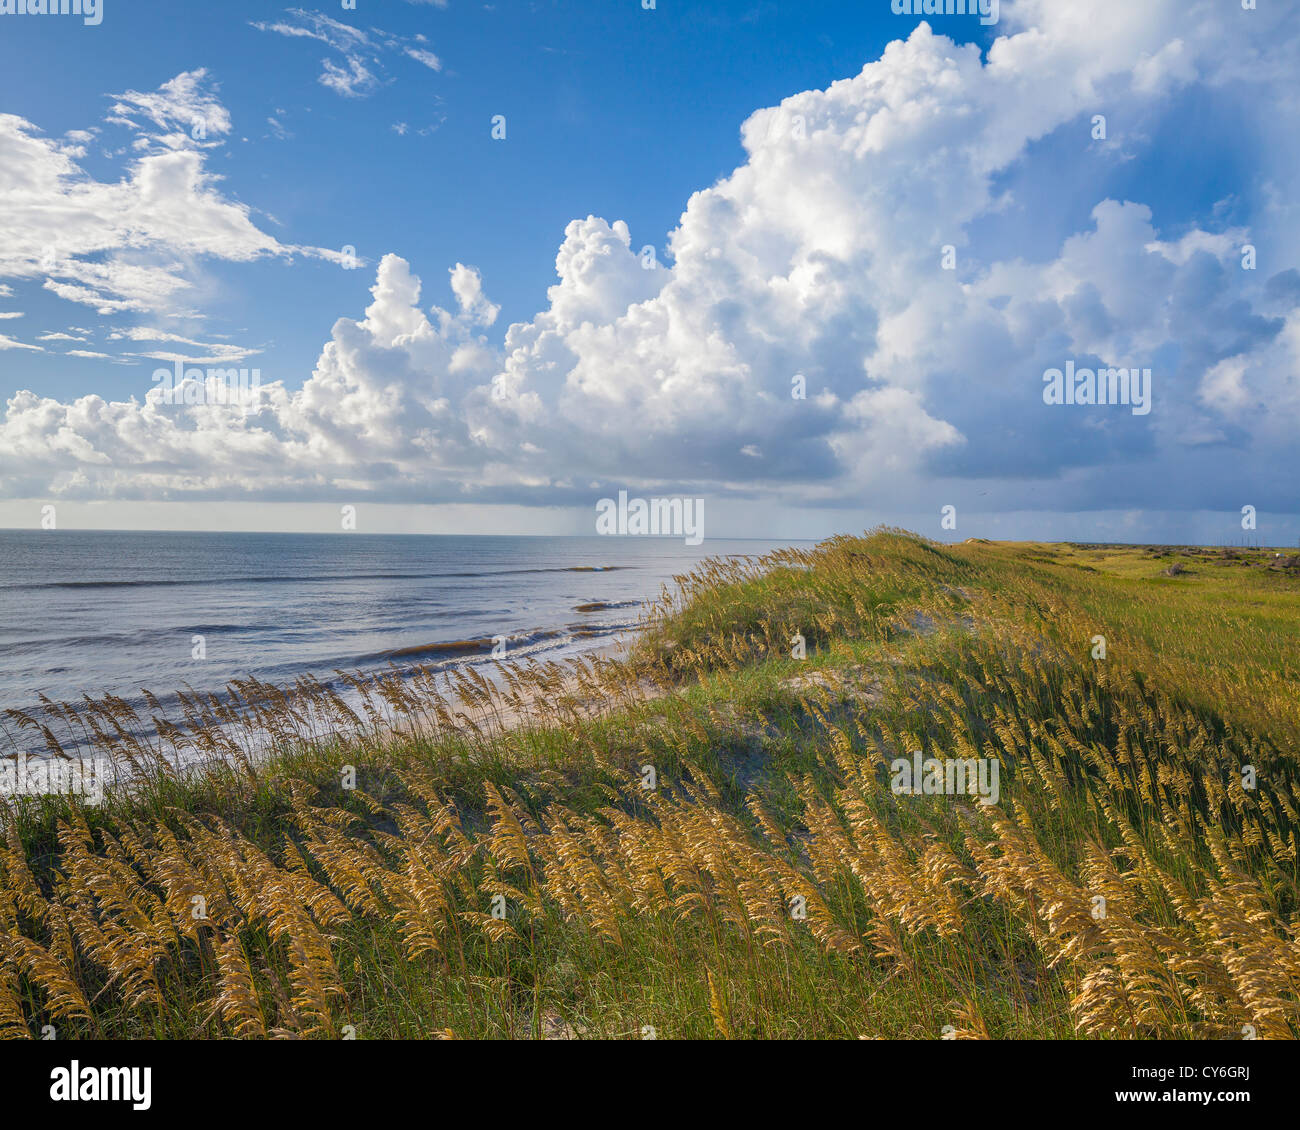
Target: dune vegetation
{"x": 704, "y": 838}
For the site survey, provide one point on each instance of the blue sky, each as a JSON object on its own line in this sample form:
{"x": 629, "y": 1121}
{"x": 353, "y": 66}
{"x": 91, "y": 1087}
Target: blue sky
{"x": 611, "y": 110}
{"x": 813, "y": 248}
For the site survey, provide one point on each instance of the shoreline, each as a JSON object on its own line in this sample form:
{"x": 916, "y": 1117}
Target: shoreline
{"x": 491, "y": 719}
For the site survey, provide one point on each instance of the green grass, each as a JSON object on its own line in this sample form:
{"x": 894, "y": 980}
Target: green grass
{"x": 909, "y": 645}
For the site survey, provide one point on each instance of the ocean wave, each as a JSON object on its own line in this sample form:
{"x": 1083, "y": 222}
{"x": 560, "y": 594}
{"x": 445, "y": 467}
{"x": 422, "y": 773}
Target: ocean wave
{"x": 287, "y": 578}
{"x": 440, "y": 657}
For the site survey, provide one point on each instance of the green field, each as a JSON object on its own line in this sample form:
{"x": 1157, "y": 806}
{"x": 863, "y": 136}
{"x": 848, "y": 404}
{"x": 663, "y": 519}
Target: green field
{"x": 703, "y": 839}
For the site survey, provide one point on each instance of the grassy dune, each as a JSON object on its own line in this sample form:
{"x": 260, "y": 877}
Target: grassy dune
{"x": 527, "y": 882}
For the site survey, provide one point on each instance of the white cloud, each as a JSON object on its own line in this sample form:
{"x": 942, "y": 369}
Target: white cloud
{"x": 361, "y": 71}
{"x": 131, "y": 244}
{"x": 818, "y": 258}
{"x": 353, "y": 80}
{"x": 428, "y": 58}
{"x": 323, "y": 29}
{"x": 209, "y": 353}
{"x": 6, "y": 342}
{"x": 184, "y": 110}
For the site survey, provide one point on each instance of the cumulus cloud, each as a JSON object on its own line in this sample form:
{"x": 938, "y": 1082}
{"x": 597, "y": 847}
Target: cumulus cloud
{"x": 817, "y": 265}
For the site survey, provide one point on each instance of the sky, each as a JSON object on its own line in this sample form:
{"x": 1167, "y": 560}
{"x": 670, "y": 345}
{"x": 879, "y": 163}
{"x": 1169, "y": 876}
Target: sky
{"x": 482, "y": 265}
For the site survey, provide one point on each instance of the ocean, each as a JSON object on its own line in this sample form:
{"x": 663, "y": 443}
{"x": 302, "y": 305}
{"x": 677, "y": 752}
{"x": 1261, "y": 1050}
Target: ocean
{"x": 94, "y": 612}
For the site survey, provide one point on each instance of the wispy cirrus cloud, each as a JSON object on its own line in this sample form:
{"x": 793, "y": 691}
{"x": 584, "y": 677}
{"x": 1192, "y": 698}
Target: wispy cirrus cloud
{"x": 428, "y": 58}
{"x": 353, "y": 79}
{"x": 136, "y": 244}
{"x": 361, "y": 70}
{"x": 183, "y": 112}
{"x": 7, "y": 342}
{"x": 199, "y": 352}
